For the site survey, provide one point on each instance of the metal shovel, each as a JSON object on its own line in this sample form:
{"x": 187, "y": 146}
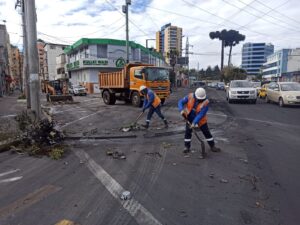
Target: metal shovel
{"x": 203, "y": 153}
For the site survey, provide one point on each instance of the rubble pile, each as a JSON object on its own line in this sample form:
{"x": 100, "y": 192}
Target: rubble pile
{"x": 39, "y": 137}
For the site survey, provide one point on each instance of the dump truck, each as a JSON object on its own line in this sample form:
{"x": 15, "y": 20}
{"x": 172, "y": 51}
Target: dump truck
{"x": 56, "y": 90}
{"x": 124, "y": 85}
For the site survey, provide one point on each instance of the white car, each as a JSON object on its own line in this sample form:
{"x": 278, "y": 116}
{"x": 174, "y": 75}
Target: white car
{"x": 77, "y": 90}
{"x": 241, "y": 90}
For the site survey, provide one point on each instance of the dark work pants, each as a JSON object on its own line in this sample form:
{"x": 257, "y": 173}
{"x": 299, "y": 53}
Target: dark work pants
{"x": 205, "y": 130}
{"x": 157, "y": 111}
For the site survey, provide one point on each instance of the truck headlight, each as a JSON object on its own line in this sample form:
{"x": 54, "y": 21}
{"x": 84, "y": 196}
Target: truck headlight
{"x": 233, "y": 92}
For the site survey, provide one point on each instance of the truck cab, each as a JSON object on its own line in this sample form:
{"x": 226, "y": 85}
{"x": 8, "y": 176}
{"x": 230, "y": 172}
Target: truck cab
{"x": 155, "y": 78}
{"x": 125, "y": 84}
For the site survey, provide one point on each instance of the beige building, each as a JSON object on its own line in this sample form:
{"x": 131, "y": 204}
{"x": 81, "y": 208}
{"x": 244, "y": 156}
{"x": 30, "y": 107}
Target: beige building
{"x": 169, "y": 38}
{"x": 16, "y": 66}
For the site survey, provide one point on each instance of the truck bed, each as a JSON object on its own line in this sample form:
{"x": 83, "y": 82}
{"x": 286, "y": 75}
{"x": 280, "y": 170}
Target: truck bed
{"x": 113, "y": 80}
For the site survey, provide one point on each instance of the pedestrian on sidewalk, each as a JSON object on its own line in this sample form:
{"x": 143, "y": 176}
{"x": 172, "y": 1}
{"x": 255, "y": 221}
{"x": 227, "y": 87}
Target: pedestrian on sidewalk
{"x": 153, "y": 103}
{"x": 194, "y": 107}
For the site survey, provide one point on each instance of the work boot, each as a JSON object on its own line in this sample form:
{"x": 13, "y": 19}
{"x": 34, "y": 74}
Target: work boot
{"x": 145, "y": 125}
{"x": 186, "y": 150}
{"x": 166, "y": 123}
{"x": 215, "y": 149}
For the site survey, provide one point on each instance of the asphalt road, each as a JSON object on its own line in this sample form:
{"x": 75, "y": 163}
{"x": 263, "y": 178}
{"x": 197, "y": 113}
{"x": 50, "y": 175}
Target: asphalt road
{"x": 254, "y": 180}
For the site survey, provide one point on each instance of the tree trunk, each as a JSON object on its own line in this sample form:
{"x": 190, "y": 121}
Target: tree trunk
{"x": 222, "y": 55}
{"x": 229, "y": 57}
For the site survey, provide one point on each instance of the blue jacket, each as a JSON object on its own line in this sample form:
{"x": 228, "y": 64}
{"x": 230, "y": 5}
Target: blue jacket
{"x": 193, "y": 117}
{"x": 148, "y": 103}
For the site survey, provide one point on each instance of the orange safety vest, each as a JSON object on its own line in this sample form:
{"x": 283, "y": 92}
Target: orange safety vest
{"x": 156, "y": 101}
{"x": 190, "y": 105}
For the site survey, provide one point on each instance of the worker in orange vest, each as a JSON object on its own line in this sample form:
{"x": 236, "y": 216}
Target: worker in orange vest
{"x": 153, "y": 103}
{"x": 194, "y": 108}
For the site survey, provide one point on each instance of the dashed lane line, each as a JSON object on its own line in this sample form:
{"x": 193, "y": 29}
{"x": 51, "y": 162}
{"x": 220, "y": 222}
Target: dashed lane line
{"x": 133, "y": 207}
{"x": 10, "y": 179}
{"x": 9, "y": 172}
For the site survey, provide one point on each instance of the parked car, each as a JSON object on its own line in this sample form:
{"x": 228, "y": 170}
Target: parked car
{"x": 77, "y": 90}
{"x": 263, "y": 91}
{"x": 221, "y": 86}
{"x": 284, "y": 93}
{"x": 241, "y": 90}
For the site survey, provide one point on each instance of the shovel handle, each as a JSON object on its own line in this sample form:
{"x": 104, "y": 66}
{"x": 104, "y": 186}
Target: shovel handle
{"x": 137, "y": 119}
{"x": 197, "y": 136}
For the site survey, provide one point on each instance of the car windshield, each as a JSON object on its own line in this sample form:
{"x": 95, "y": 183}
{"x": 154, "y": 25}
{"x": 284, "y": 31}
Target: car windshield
{"x": 221, "y": 84}
{"x": 290, "y": 87}
{"x": 257, "y": 84}
{"x": 157, "y": 74}
{"x": 237, "y": 84}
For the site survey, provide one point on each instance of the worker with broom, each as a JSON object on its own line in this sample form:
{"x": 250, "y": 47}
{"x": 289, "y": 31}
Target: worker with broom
{"x": 193, "y": 108}
{"x": 153, "y": 103}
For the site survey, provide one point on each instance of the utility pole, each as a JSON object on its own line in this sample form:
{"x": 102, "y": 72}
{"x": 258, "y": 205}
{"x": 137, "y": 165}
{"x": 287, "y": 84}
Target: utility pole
{"x": 125, "y": 10}
{"x": 187, "y": 52}
{"x": 33, "y": 63}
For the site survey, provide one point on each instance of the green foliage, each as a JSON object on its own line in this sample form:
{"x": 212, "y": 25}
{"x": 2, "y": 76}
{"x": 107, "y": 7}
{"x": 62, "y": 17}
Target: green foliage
{"x": 56, "y": 153}
{"x": 233, "y": 73}
{"x": 22, "y": 96}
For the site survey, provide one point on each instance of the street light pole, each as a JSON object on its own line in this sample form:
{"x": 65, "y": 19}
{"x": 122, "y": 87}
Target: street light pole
{"x": 125, "y": 10}
{"x": 33, "y": 63}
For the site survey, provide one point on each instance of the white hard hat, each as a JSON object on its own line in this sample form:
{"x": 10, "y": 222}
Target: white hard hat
{"x": 200, "y": 93}
{"x": 142, "y": 88}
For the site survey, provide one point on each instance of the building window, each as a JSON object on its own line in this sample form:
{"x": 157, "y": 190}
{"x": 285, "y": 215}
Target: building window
{"x": 52, "y": 46}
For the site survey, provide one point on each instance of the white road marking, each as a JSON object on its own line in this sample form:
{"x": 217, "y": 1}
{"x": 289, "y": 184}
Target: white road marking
{"x": 7, "y": 116}
{"x": 10, "y": 179}
{"x": 9, "y": 172}
{"x": 134, "y": 208}
{"x": 81, "y": 118}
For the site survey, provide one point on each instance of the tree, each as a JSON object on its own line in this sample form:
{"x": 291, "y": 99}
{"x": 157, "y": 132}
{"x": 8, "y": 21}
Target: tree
{"x": 228, "y": 39}
{"x": 233, "y": 73}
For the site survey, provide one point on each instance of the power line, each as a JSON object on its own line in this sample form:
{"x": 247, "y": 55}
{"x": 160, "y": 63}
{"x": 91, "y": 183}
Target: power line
{"x": 272, "y": 9}
{"x": 238, "y": 12}
{"x": 215, "y": 15}
{"x": 83, "y": 35}
{"x": 112, "y": 5}
{"x": 284, "y": 15}
{"x": 260, "y": 11}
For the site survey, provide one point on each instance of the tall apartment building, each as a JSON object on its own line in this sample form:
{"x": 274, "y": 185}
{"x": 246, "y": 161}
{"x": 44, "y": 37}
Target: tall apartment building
{"x": 51, "y": 52}
{"x": 16, "y": 66}
{"x": 169, "y": 38}
{"x": 5, "y": 70}
{"x": 41, "y": 55}
{"x": 254, "y": 55}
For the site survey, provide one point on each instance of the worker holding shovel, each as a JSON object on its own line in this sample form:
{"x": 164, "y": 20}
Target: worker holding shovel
{"x": 193, "y": 108}
{"x": 153, "y": 103}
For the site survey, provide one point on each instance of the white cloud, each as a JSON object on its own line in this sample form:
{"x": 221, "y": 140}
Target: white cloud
{"x": 69, "y": 20}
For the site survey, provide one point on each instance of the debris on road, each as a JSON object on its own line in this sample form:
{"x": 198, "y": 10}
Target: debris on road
{"x": 174, "y": 164}
{"x": 116, "y": 154}
{"x": 126, "y": 195}
{"x": 243, "y": 160}
{"x": 166, "y": 145}
{"x": 224, "y": 181}
{"x": 212, "y": 175}
{"x": 252, "y": 179}
{"x": 38, "y": 137}
{"x": 154, "y": 154}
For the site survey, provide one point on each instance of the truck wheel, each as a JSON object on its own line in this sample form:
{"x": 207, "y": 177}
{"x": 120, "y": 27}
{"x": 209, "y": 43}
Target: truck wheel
{"x": 136, "y": 99}
{"x": 108, "y": 98}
